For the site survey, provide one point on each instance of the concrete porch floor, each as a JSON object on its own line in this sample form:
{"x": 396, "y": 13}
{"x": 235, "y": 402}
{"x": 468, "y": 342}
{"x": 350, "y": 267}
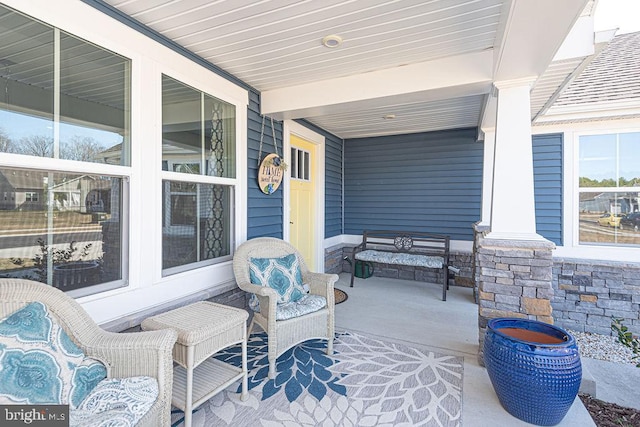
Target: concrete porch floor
{"x": 413, "y": 312}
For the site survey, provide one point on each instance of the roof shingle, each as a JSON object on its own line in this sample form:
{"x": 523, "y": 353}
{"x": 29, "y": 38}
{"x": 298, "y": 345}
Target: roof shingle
{"x": 613, "y": 75}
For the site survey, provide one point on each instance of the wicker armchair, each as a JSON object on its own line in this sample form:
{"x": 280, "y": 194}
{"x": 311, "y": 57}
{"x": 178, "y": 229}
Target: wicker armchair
{"x": 126, "y": 355}
{"x": 284, "y": 334}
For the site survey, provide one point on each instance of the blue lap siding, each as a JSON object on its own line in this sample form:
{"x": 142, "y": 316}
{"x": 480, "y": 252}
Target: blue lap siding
{"x": 547, "y": 175}
{"x": 429, "y": 182}
{"x": 264, "y": 212}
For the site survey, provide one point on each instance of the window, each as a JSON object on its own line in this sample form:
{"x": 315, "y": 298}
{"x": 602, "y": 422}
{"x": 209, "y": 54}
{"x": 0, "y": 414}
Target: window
{"x": 300, "y": 164}
{"x": 609, "y": 189}
{"x": 62, "y": 98}
{"x": 198, "y": 163}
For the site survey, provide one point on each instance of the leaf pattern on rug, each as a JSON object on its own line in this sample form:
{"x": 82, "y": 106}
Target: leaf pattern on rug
{"x": 400, "y": 384}
{"x": 366, "y": 382}
{"x": 303, "y": 367}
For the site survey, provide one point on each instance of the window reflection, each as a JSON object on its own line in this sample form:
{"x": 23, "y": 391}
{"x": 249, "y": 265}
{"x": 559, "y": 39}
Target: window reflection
{"x": 610, "y": 163}
{"x": 61, "y": 228}
{"x": 198, "y": 138}
{"x": 197, "y": 224}
{"x": 93, "y": 99}
{"x": 198, "y": 132}
{"x": 62, "y": 97}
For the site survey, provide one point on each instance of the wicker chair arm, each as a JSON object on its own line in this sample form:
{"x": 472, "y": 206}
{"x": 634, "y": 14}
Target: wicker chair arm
{"x": 267, "y": 296}
{"x": 258, "y": 290}
{"x": 320, "y": 283}
{"x": 132, "y": 354}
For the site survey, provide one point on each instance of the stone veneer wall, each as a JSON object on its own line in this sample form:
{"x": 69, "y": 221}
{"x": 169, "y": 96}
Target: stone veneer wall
{"x": 514, "y": 280}
{"x": 588, "y": 293}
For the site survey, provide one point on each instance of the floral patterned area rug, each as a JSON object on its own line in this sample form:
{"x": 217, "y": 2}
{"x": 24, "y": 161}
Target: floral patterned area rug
{"x": 366, "y": 382}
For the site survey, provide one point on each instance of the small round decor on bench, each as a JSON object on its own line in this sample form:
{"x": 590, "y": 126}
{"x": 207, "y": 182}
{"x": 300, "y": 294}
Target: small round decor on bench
{"x": 403, "y": 243}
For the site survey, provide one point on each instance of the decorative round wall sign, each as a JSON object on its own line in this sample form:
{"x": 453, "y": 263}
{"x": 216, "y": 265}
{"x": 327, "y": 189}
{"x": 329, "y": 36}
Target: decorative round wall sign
{"x": 270, "y": 173}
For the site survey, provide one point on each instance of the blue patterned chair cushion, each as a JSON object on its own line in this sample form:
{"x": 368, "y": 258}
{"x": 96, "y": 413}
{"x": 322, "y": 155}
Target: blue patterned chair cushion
{"x": 399, "y": 258}
{"x": 305, "y": 305}
{"x": 288, "y": 310}
{"x": 40, "y": 364}
{"x": 282, "y": 274}
{"x": 120, "y": 402}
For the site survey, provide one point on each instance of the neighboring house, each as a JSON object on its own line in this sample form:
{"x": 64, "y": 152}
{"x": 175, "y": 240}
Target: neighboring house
{"x": 22, "y": 190}
{"x": 420, "y": 120}
{"x": 27, "y": 191}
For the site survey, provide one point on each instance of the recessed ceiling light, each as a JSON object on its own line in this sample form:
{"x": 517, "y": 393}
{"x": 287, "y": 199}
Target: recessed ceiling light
{"x": 389, "y": 117}
{"x": 332, "y": 41}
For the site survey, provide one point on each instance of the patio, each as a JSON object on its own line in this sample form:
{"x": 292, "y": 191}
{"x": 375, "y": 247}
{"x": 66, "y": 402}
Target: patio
{"x": 446, "y": 327}
{"x": 423, "y": 117}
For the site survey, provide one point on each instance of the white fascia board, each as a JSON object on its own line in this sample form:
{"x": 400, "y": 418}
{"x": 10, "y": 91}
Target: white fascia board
{"x": 579, "y": 42}
{"x": 629, "y": 107}
{"x": 533, "y": 33}
{"x": 443, "y": 78}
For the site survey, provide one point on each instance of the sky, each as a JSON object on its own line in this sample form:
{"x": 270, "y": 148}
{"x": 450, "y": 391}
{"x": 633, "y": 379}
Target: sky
{"x": 623, "y": 14}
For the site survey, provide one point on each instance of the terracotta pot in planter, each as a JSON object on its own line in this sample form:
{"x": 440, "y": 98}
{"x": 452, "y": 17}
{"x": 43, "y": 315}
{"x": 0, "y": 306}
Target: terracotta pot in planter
{"x": 534, "y": 367}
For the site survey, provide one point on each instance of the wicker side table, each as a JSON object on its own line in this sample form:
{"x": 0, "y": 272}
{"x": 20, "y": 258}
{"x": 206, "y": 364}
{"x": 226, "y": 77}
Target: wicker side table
{"x": 203, "y": 328}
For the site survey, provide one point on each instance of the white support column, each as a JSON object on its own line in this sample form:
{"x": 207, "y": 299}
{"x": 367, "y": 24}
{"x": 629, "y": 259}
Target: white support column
{"x": 487, "y": 175}
{"x": 512, "y": 203}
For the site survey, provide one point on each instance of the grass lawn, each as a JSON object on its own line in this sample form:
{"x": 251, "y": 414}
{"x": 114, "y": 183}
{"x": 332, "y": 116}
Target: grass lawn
{"x": 38, "y": 220}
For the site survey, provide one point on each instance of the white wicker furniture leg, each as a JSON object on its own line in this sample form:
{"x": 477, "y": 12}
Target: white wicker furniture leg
{"x": 203, "y": 328}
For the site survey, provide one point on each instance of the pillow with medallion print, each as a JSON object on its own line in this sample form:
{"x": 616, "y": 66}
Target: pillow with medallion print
{"x": 39, "y": 364}
{"x": 282, "y": 274}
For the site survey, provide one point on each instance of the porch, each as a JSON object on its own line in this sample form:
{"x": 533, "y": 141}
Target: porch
{"x": 423, "y": 320}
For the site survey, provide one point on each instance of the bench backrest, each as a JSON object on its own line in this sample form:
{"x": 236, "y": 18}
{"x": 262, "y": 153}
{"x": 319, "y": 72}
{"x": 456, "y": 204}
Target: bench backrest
{"x": 406, "y": 241}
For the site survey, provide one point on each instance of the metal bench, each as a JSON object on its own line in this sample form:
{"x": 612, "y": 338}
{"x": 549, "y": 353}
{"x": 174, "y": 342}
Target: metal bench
{"x": 406, "y": 248}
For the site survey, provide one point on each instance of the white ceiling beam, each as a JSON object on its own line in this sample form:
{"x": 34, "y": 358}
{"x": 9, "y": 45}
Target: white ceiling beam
{"x": 533, "y": 33}
{"x": 451, "y": 77}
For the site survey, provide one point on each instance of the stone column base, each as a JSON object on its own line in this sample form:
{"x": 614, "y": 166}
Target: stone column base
{"x": 514, "y": 280}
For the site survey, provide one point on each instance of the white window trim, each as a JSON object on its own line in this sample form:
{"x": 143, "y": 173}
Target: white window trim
{"x": 570, "y": 218}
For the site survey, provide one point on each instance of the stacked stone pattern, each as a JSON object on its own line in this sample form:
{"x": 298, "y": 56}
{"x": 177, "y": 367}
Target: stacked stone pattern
{"x": 514, "y": 280}
{"x": 589, "y": 293}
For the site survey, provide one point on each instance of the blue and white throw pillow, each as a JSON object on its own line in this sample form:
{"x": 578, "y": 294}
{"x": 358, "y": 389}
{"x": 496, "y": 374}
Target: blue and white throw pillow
{"x": 40, "y": 364}
{"x": 282, "y": 274}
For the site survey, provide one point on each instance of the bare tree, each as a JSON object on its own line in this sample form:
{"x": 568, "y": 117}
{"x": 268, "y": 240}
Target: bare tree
{"x": 6, "y": 145}
{"x": 36, "y": 145}
{"x": 82, "y": 148}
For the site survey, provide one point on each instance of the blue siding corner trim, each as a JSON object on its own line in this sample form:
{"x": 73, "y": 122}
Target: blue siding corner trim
{"x": 547, "y": 179}
{"x": 429, "y": 182}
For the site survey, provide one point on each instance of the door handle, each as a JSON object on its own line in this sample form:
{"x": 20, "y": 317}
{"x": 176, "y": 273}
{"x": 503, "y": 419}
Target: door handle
{"x": 291, "y": 222}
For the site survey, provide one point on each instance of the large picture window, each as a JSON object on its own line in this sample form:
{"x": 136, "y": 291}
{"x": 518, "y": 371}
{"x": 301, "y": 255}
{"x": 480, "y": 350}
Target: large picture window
{"x": 609, "y": 189}
{"x": 62, "y": 98}
{"x": 198, "y": 163}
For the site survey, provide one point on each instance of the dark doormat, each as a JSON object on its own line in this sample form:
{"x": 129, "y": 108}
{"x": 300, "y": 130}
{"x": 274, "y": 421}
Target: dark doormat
{"x": 341, "y": 296}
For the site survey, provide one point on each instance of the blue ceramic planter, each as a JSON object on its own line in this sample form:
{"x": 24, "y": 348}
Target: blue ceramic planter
{"x": 534, "y": 367}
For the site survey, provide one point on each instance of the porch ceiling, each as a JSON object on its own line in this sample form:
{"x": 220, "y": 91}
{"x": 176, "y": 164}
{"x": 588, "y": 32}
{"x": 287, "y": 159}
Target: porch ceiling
{"x": 429, "y": 63}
